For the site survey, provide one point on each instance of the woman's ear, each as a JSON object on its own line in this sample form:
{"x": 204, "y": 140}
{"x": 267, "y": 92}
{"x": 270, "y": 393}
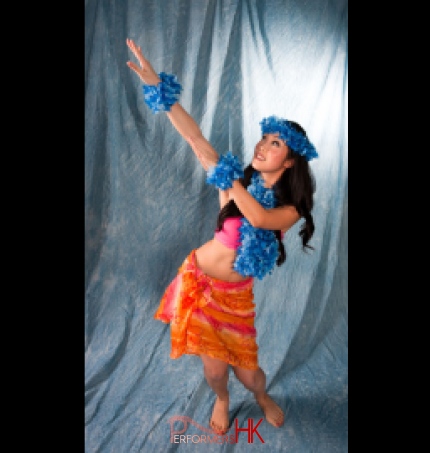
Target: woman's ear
{"x": 289, "y": 162}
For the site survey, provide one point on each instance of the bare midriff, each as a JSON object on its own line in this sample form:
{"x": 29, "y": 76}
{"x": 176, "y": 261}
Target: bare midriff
{"x": 216, "y": 260}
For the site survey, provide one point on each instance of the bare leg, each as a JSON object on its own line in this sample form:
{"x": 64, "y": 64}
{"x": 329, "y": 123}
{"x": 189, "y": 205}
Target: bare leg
{"x": 255, "y": 381}
{"x": 216, "y": 374}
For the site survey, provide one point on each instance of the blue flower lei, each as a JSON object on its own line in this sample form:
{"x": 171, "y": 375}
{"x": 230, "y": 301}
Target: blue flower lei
{"x": 295, "y": 140}
{"x": 162, "y": 96}
{"x": 258, "y": 249}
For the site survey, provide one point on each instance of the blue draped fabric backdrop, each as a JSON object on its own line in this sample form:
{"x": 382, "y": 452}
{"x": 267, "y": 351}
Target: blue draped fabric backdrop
{"x": 147, "y": 205}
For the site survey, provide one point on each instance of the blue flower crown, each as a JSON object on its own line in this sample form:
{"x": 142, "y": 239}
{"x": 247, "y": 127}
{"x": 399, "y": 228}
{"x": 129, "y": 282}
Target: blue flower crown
{"x": 295, "y": 140}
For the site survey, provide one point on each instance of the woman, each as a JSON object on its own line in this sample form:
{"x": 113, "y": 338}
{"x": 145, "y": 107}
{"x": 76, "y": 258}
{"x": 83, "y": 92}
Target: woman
{"x": 209, "y": 304}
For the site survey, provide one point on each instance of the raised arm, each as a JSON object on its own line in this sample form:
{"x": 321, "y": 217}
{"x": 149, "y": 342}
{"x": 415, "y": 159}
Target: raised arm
{"x": 178, "y": 116}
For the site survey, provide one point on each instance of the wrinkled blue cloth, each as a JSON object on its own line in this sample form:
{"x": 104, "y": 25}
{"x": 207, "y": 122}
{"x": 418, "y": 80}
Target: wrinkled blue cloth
{"x": 147, "y": 205}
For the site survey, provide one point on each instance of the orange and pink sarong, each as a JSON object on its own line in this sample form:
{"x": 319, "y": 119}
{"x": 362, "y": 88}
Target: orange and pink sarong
{"x": 210, "y": 316}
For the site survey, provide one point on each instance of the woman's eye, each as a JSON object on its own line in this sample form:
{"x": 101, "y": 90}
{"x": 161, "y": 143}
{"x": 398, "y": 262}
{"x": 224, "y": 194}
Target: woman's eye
{"x": 276, "y": 143}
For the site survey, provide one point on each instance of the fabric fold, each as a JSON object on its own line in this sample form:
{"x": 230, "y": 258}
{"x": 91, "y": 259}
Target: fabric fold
{"x": 210, "y": 316}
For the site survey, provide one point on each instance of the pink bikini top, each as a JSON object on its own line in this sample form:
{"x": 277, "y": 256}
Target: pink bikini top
{"x": 229, "y": 235}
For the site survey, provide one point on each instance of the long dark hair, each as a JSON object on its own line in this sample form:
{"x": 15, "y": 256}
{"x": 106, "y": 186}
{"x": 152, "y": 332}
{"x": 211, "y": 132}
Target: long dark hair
{"x": 296, "y": 187}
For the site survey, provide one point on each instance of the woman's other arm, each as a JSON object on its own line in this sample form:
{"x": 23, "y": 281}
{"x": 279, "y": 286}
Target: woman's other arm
{"x": 279, "y": 218}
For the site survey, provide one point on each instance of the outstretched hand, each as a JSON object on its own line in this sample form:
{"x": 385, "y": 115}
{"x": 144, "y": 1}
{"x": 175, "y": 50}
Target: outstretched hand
{"x": 183, "y": 122}
{"x": 144, "y": 70}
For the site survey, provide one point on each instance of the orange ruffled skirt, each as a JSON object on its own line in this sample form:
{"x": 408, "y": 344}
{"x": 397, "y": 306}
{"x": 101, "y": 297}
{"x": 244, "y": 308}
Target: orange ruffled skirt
{"x": 210, "y": 316}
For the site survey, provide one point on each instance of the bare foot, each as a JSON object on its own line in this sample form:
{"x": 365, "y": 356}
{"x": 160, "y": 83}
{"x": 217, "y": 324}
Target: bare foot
{"x": 219, "y": 421}
{"x": 273, "y": 413}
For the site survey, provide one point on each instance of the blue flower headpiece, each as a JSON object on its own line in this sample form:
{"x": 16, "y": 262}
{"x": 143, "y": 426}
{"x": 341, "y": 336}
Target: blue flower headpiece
{"x": 295, "y": 140}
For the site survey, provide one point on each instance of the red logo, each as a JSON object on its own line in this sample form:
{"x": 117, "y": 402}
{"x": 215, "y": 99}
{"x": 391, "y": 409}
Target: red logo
{"x": 178, "y": 436}
{"x": 250, "y": 430}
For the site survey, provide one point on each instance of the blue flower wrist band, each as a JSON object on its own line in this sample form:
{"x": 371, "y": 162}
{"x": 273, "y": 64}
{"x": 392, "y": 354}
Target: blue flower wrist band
{"x": 161, "y": 97}
{"x": 227, "y": 169}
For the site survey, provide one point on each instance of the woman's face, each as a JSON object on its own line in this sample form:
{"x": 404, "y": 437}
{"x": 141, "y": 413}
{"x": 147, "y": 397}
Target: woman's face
{"x": 271, "y": 155}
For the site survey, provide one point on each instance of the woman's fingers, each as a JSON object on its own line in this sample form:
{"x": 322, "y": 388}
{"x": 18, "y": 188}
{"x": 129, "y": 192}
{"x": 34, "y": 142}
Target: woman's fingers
{"x": 139, "y": 70}
{"x": 131, "y": 46}
{"x": 136, "y": 51}
{"x": 145, "y": 70}
{"x": 135, "y": 68}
